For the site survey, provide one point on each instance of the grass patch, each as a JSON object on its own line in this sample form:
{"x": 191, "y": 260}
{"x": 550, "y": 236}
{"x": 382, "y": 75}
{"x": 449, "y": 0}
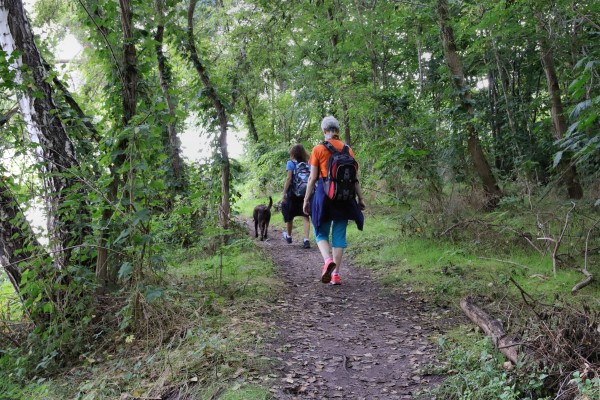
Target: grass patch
{"x": 206, "y": 331}
{"x": 475, "y": 370}
{"x": 446, "y": 270}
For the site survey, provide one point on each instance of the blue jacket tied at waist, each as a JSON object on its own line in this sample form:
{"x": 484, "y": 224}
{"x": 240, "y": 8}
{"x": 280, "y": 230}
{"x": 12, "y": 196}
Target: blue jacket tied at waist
{"x": 325, "y": 209}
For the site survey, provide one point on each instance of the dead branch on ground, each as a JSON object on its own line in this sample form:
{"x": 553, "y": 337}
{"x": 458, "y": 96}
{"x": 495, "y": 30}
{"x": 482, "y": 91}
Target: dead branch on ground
{"x": 491, "y": 327}
{"x": 589, "y": 278}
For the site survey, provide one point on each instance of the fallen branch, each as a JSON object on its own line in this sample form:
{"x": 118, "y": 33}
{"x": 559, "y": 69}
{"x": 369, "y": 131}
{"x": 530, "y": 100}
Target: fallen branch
{"x": 589, "y": 278}
{"x": 491, "y": 327}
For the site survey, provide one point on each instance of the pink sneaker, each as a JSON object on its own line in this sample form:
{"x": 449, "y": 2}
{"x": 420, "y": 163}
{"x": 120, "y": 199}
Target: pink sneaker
{"x": 328, "y": 268}
{"x": 336, "y": 279}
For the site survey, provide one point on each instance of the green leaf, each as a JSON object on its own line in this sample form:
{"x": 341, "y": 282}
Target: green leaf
{"x": 141, "y": 216}
{"x": 557, "y": 158}
{"x": 124, "y": 234}
{"x": 153, "y": 293}
{"x": 125, "y": 270}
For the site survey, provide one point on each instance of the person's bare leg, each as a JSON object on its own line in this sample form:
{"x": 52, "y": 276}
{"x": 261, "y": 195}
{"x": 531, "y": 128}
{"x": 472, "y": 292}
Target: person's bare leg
{"x": 290, "y": 226}
{"x": 338, "y": 253}
{"x": 324, "y": 249}
{"x": 306, "y": 227}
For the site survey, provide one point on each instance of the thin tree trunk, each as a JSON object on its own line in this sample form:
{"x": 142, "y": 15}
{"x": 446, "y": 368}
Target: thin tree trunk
{"x": 6, "y": 117}
{"x": 129, "y": 87}
{"x": 420, "y": 61}
{"x": 569, "y": 173}
{"x": 473, "y": 145}
{"x": 55, "y": 151}
{"x": 165, "y": 82}
{"x": 20, "y": 251}
{"x": 17, "y": 240}
{"x": 496, "y": 131}
{"x": 221, "y": 116}
{"x": 504, "y": 81}
{"x": 346, "y": 119}
{"x": 250, "y": 119}
{"x": 74, "y": 106}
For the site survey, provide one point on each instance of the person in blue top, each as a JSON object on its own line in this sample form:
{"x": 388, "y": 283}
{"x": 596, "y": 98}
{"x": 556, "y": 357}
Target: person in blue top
{"x": 291, "y": 203}
{"x": 330, "y": 217}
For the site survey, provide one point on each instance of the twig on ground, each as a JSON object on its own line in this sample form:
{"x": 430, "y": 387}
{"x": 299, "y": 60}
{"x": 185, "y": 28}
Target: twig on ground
{"x": 589, "y": 278}
{"x": 504, "y": 261}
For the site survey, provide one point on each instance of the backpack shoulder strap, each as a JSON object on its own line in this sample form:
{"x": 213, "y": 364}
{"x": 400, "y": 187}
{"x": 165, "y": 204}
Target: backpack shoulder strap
{"x": 329, "y": 146}
{"x": 346, "y": 149}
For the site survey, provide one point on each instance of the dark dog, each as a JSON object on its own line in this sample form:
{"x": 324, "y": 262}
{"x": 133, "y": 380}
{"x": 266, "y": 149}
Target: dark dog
{"x": 262, "y": 216}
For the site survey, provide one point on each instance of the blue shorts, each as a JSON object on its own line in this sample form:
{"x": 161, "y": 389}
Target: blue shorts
{"x": 338, "y": 233}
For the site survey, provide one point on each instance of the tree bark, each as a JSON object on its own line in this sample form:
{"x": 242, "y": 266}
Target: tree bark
{"x": 164, "y": 73}
{"x": 219, "y": 107}
{"x": 506, "y": 92}
{"x": 6, "y": 117}
{"x": 20, "y": 251}
{"x": 55, "y": 151}
{"x": 569, "y": 172}
{"x": 250, "y": 119}
{"x": 346, "y": 119}
{"x": 129, "y": 88}
{"x": 491, "y": 327}
{"x": 17, "y": 240}
{"x": 74, "y": 106}
{"x": 473, "y": 145}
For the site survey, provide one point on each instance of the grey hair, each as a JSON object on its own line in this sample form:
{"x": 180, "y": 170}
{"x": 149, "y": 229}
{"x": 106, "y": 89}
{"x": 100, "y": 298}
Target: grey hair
{"x": 329, "y": 123}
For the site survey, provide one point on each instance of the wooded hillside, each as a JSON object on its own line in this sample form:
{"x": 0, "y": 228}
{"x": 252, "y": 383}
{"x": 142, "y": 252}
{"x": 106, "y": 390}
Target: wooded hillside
{"x": 497, "y": 101}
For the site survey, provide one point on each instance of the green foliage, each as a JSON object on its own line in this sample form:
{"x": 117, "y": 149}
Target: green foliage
{"x": 587, "y": 388}
{"x": 476, "y": 373}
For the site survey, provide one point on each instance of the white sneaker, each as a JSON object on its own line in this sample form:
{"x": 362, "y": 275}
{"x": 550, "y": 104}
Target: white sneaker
{"x": 287, "y": 237}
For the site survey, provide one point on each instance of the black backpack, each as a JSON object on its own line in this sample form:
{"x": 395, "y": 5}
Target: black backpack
{"x": 300, "y": 179}
{"x": 341, "y": 174}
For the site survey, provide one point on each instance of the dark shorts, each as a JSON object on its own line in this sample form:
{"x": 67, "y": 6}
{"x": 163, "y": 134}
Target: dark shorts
{"x": 292, "y": 208}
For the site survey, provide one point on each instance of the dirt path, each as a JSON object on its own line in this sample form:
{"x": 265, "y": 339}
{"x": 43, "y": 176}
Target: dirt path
{"x": 349, "y": 341}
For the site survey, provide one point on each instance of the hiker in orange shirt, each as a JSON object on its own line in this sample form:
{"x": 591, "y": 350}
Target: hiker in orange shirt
{"x": 334, "y": 202}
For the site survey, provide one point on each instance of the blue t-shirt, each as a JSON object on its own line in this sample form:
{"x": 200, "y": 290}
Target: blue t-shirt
{"x": 290, "y": 166}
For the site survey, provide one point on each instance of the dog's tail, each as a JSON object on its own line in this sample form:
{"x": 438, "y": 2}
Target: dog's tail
{"x": 270, "y": 203}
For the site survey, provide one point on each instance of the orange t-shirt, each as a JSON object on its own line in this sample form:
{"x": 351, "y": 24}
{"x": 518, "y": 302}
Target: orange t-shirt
{"x": 320, "y": 155}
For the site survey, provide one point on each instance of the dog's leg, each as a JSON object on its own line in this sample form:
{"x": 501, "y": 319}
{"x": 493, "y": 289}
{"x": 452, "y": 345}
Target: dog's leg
{"x": 263, "y": 230}
{"x": 255, "y": 227}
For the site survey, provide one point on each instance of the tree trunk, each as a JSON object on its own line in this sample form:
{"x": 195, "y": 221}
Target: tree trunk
{"x": 129, "y": 87}
{"x": 6, "y": 117}
{"x": 164, "y": 73}
{"x": 569, "y": 173}
{"x": 17, "y": 240}
{"x": 346, "y": 119}
{"x": 55, "y": 151}
{"x": 473, "y": 145}
{"x": 20, "y": 251}
{"x": 250, "y": 119}
{"x": 221, "y": 116}
{"x": 504, "y": 81}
